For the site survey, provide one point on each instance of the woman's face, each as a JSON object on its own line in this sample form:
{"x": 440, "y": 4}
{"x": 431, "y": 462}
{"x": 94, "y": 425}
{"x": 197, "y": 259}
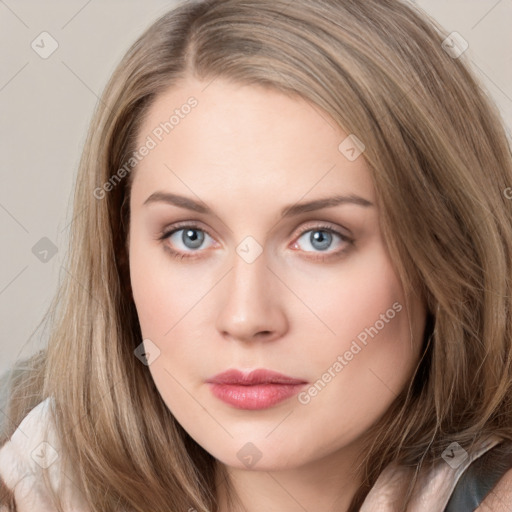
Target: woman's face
{"x": 230, "y": 270}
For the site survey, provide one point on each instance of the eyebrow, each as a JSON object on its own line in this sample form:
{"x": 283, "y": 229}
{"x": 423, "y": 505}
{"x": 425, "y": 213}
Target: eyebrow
{"x": 288, "y": 211}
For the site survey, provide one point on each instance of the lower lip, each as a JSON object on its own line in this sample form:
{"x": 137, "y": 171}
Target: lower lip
{"x": 258, "y": 396}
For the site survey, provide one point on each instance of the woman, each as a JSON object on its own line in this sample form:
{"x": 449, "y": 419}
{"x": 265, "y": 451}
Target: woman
{"x": 206, "y": 354}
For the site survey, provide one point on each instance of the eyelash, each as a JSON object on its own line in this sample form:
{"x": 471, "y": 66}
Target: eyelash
{"x": 320, "y": 227}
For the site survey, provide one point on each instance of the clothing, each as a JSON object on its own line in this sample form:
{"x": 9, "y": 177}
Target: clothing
{"x": 22, "y": 456}
{"x": 434, "y": 487}
{"x": 32, "y": 445}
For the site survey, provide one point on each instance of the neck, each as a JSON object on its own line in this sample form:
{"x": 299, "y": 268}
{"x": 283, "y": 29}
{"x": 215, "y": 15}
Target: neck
{"x": 327, "y": 484}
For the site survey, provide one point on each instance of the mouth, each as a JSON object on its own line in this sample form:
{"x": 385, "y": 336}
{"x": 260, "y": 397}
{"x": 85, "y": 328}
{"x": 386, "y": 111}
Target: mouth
{"x": 258, "y": 389}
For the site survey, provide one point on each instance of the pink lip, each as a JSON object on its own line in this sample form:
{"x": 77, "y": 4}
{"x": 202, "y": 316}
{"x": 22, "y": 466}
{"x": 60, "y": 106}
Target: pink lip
{"x": 258, "y": 389}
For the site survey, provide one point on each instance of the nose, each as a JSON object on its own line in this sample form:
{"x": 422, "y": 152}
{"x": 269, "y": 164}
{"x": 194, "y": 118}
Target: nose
{"x": 251, "y": 307}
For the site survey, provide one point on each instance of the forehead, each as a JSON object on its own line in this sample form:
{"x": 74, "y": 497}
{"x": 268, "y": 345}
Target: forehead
{"x": 239, "y": 139}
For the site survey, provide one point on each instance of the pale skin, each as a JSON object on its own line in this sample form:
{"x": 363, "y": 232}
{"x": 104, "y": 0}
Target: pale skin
{"x": 247, "y": 153}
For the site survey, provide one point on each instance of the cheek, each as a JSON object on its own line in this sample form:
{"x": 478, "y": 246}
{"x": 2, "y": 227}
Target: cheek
{"x": 365, "y": 355}
{"x": 162, "y": 300}
{"x": 168, "y": 302}
{"x": 161, "y": 294}
{"x": 361, "y": 302}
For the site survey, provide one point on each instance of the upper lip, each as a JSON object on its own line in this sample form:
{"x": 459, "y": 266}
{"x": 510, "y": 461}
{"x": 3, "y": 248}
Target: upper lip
{"x": 260, "y": 376}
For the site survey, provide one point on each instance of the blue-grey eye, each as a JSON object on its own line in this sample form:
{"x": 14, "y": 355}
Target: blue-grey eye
{"x": 192, "y": 238}
{"x": 320, "y": 239}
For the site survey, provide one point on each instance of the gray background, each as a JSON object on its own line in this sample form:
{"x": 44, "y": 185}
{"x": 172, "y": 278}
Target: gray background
{"x": 46, "y": 105}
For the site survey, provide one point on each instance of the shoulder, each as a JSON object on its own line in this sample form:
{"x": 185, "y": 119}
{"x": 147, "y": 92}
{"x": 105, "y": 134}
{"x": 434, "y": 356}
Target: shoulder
{"x": 487, "y": 479}
{"x": 33, "y": 448}
{"x": 25, "y": 453}
{"x": 436, "y": 482}
{"x": 499, "y": 498}
{"x": 20, "y": 451}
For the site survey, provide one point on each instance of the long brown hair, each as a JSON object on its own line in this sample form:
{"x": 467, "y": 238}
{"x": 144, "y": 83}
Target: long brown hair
{"x": 440, "y": 163}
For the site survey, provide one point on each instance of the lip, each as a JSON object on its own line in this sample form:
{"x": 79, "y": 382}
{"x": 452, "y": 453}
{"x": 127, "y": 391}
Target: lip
{"x": 258, "y": 389}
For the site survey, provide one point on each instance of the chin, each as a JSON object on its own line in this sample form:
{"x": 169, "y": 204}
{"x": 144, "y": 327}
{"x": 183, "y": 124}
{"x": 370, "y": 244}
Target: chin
{"x": 259, "y": 456}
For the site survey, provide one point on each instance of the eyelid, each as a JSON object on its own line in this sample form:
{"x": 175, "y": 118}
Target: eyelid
{"x": 168, "y": 230}
{"x": 176, "y": 226}
{"x": 327, "y": 226}
{"x": 320, "y": 256}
